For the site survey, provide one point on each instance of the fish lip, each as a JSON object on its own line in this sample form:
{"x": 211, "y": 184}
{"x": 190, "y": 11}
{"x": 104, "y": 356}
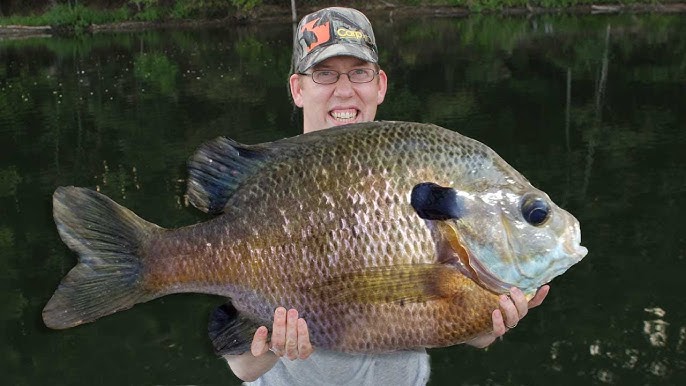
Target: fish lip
{"x": 573, "y": 246}
{"x": 581, "y": 251}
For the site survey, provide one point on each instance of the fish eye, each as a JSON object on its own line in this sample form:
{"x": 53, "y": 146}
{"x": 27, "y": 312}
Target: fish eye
{"x": 535, "y": 210}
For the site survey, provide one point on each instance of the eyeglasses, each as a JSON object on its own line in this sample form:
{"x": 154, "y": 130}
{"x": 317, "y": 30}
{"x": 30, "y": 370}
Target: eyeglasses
{"x": 358, "y": 75}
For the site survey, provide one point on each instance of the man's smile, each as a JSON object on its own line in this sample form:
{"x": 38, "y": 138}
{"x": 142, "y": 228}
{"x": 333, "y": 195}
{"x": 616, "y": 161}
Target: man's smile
{"x": 344, "y": 115}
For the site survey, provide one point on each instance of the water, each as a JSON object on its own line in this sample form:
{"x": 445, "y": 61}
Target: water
{"x": 590, "y": 109}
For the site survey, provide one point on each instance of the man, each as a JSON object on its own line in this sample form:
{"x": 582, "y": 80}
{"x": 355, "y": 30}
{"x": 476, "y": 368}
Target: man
{"x": 337, "y": 81}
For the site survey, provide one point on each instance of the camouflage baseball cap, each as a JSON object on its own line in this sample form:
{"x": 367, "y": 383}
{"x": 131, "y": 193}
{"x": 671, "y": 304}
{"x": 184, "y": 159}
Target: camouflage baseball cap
{"x": 333, "y": 32}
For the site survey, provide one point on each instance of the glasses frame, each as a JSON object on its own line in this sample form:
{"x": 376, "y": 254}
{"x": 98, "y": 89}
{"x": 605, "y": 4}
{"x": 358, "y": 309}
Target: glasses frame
{"x": 338, "y": 76}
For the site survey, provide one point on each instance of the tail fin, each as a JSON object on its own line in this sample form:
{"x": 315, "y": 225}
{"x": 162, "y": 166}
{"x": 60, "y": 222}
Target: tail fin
{"x": 108, "y": 277}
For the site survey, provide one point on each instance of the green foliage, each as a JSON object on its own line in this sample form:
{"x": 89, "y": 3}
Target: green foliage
{"x": 148, "y": 14}
{"x": 202, "y": 8}
{"x": 493, "y": 5}
{"x": 180, "y": 11}
{"x": 157, "y": 71}
{"x": 76, "y": 18}
{"x": 79, "y": 17}
{"x": 141, "y": 4}
{"x": 9, "y": 180}
{"x": 147, "y": 10}
{"x": 246, "y": 5}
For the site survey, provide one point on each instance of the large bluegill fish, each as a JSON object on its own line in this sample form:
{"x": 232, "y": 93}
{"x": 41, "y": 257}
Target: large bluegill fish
{"x": 384, "y": 235}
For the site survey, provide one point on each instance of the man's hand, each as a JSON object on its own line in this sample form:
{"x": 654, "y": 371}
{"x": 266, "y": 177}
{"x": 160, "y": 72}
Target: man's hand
{"x": 514, "y": 308}
{"x": 290, "y": 337}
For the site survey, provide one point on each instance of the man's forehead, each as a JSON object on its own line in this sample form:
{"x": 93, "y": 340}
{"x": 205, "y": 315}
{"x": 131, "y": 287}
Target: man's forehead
{"x": 336, "y": 61}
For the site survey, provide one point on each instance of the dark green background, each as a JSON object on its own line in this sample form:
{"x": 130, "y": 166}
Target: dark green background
{"x": 590, "y": 108}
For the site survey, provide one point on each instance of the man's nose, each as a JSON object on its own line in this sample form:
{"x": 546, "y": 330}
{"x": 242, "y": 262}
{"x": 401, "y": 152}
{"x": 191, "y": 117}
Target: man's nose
{"x": 344, "y": 87}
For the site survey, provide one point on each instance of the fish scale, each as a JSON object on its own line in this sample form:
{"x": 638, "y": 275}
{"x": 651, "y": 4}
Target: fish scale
{"x": 383, "y": 235}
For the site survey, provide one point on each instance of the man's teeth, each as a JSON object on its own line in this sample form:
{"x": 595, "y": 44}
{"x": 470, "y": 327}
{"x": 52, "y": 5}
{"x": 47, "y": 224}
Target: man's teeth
{"x": 344, "y": 115}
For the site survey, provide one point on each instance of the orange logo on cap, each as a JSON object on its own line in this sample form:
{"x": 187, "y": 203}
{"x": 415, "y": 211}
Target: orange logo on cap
{"x": 315, "y": 36}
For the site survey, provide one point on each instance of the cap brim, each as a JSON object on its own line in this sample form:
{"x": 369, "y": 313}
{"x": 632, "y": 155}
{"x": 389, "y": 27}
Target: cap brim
{"x": 338, "y": 49}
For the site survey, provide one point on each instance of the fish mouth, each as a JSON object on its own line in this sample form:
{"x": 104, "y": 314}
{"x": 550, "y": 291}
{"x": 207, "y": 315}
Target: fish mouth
{"x": 572, "y": 245}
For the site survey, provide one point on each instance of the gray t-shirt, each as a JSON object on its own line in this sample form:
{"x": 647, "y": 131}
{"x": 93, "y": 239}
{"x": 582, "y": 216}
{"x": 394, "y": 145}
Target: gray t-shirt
{"x": 332, "y": 368}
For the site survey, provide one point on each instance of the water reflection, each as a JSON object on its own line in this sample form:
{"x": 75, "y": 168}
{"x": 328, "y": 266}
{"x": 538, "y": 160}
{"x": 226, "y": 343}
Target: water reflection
{"x": 590, "y": 109}
{"x": 656, "y": 329}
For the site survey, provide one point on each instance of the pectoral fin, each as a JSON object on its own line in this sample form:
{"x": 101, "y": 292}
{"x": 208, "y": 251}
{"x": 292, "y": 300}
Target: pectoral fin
{"x": 394, "y": 284}
{"x": 434, "y": 202}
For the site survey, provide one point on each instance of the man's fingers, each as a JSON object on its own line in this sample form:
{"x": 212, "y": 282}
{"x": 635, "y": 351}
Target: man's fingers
{"x": 259, "y": 343}
{"x": 292, "y": 334}
{"x": 498, "y": 324}
{"x": 539, "y": 297}
{"x": 511, "y": 310}
{"x": 279, "y": 331}
{"x": 520, "y": 303}
{"x": 304, "y": 345}
{"x": 510, "y": 315}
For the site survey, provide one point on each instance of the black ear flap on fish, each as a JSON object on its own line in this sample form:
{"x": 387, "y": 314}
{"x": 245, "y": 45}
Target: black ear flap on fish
{"x": 230, "y": 332}
{"x": 218, "y": 168}
{"x": 434, "y": 202}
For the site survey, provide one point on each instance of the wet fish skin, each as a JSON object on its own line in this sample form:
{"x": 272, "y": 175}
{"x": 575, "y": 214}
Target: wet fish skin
{"x": 322, "y": 223}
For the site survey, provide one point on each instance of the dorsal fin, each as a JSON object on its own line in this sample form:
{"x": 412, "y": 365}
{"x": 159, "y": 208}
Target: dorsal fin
{"x": 218, "y": 168}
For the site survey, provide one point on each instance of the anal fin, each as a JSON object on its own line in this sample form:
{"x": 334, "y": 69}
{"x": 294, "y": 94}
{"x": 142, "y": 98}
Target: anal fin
{"x": 231, "y": 333}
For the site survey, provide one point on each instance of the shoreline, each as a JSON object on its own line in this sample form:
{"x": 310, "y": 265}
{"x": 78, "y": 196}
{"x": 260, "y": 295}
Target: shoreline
{"x": 274, "y": 14}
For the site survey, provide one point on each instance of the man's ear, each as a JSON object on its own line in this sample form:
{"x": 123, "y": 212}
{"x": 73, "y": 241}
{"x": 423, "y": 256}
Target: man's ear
{"x": 383, "y": 86}
{"x": 296, "y": 90}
